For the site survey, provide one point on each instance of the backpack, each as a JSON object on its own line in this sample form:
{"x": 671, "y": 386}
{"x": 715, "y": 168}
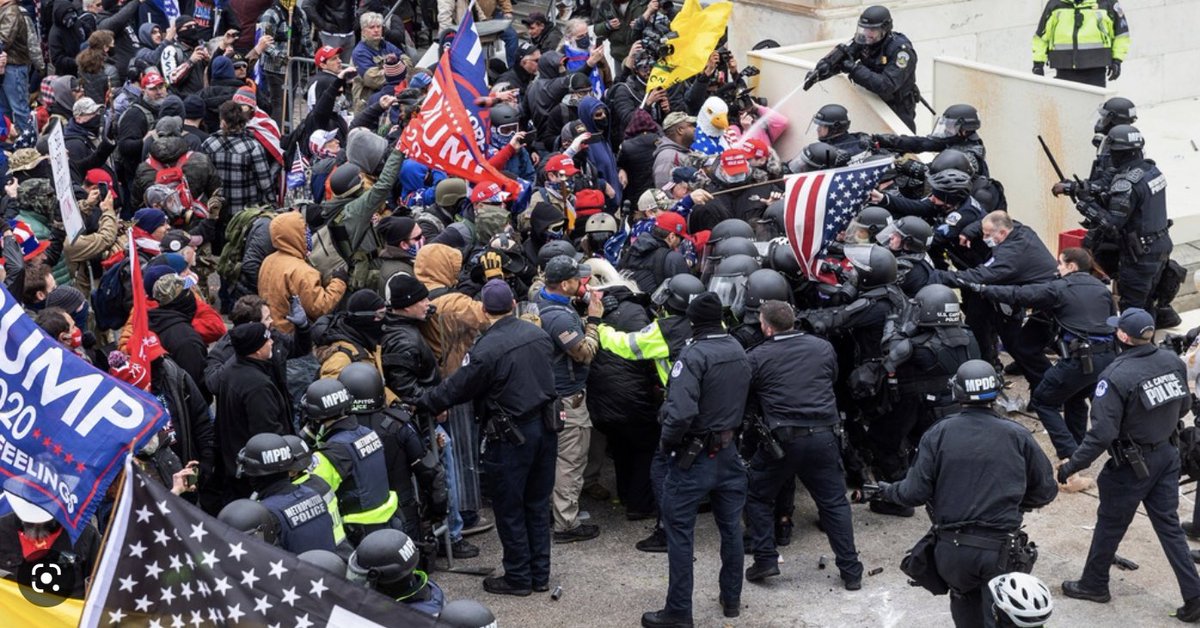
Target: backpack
{"x": 112, "y": 300}
{"x": 229, "y": 266}
{"x": 173, "y": 177}
{"x": 330, "y": 242}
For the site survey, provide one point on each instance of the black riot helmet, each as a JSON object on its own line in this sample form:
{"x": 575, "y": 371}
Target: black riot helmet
{"x": 773, "y": 218}
{"x": 383, "y": 557}
{"x": 874, "y": 24}
{"x": 915, "y": 235}
{"x": 1124, "y": 138}
{"x": 325, "y": 399}
{"x": 325, "y": 560}
{"x": 833, "y": 117}
{"x": 730, "y": 228}
{"x": 251, "y": 517}
{"x": 976, "y": 381}
{"x": 736, "y": 245}
{"x": 365, "y": 385}
{"x": 867, "y": 224}
{"x": 953, "y": 159}
{"x": 301, "y": 454}
{"x": 819, "y": 156}
{"x": 956, "y": 120}
{"x": 762, "y": 286}
{"x": 730, "y": 278}
{"x": 1114, "y": 111}
{"x": 875, "y": 266}
{"x": 937, "y": 306}
{"x": 466, "y": 614}
{"x": 782, "y": 258}
{"x": 264, "y": 454}
{"x": 951, "y": 186}
{"x": 676, "y": 292}
{"x": 737, "y": 265}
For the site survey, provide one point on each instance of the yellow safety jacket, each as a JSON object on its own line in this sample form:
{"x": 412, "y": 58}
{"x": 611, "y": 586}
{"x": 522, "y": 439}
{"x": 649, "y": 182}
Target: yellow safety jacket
{"x": 1081, "y": 34}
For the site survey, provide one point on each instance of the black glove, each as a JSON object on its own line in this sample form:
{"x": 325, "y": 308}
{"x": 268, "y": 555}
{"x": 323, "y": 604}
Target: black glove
{"x": 1039, "y": 68}
{"x": 610, "y": 303}
{"x": 847, "y": 65}
{"x": 1114, "y": 70}
{"x": 341, "y": 273}
{"x": 885, "y": 140}
{"x": 1064, "y": 472}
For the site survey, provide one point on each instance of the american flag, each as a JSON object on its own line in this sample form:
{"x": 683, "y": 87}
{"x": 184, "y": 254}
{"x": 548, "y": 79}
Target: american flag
{"x": 819, "y": 205}
{"x": 167, "y": 564}
{"x": 299, "y": 172}
{"x": 170, "y": 8}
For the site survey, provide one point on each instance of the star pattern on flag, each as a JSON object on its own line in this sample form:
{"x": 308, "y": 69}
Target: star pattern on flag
{"x": 824, "y": 202}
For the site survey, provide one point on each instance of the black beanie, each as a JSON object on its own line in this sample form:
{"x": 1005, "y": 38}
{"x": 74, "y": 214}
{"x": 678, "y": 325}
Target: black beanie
{"x": 365, "y": 300}
{"x": 404, "y": 290}
{"x": 705, "y": 309}
{"x": 248, "y": 337}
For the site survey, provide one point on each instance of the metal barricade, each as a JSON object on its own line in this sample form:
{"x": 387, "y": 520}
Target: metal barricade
{"x": 464, "y": 433}
{"x": 300, "y": 73}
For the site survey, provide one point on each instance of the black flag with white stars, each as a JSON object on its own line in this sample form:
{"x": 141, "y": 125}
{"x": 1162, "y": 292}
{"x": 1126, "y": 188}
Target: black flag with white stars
{"x": 166, "y": 564}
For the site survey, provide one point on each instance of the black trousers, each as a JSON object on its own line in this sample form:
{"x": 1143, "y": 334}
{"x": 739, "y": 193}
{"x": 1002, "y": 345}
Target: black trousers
{"x": 1139, "y": 275}
{"x": 1090, "y": 76}
{"x": 967, "y": 570}
{"x": 632, "y": 446}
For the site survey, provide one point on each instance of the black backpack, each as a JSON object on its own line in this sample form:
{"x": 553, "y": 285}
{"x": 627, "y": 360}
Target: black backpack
{"x": 112, "y": 300}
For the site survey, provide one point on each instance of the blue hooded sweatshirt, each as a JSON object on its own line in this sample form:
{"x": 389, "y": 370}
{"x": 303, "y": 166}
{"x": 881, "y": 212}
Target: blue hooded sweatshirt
{"x": 600, "y": 154}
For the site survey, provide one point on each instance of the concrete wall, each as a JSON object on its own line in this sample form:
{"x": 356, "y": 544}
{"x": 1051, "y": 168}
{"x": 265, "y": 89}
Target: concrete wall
{"x": 1163, "y": 64}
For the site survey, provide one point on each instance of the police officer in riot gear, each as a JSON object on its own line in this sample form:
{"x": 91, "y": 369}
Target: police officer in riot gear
{"x": 304, "y": 521}
{"x": 302, "y": 459}
{"x": 881, "y": 60}
{"x": 350, "y": 457}
{"x": 978, "y": 472}
{"x": 705, "y": 403}
{"x": 1135, "y": 210}
{"x": 957, "y": 128}
{"x": 819, "y": 156}
{"x": 799, "y": 426}
{"x": 867, "y": 224}
{"x": 909, "y": 238}
{"x": 730, "y": 278}
{"x": 1081, "y": 305}
{"x": 386, "y": 561}
{"x": 403, "y": 449}
{"x": 325, "y": 560}
{"x": 925, "y": 351}
{"x": 509, "y": 374}
{"x": 831, "y": 125}
{"x": 763, "y": 285}
{"x": 251, "y": 517}
{"x": 1136, "y": 408}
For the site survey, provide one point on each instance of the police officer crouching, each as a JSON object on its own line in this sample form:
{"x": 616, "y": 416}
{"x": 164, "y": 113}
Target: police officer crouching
{"x": 386, "y": 561}
{"x": 706, "y": 401}
{"x": 509, "y": 373}
{"x": 1136, "y": 408}
{"x": 350, "y": 457}
{"x": 304, "y": 522}
{"x": 977, "y": 471}
{"x": 802, "y": 425}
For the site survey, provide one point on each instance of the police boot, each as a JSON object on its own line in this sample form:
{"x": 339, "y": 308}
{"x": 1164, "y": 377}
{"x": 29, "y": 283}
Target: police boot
{"x": 1190, "y": 611}
{"x": 663, "y": 619}
{"x": 1192, "y": 531}
{"x": 1165, "y": 317}
{"x": 783, "y": 531}
{"x": 762, "y": 569}
{"x": 1072, "y": 589}
{"x": 887, "y": 508}
{"x": 655, "y": 543}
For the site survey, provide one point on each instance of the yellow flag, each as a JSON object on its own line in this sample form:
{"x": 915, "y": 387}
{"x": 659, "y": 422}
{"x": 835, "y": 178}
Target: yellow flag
{"x": 699, "y": 30}
{"x": 21, "y": 612}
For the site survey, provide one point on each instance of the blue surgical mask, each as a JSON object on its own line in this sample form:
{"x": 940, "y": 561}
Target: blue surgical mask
{"x": 990, "y": 242}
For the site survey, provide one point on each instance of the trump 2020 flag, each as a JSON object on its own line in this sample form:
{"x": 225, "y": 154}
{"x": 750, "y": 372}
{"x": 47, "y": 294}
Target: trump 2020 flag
{"x": 819, "y": 205}
{"x": 65, "y": 427}
{"x": 467, "y": 66}
{"x": 167, "y": 563}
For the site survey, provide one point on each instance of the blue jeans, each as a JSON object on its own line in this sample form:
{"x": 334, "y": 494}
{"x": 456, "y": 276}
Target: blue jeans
{"x": 1066, "y": 389}
{"x": 453, "y": 518}
{"x": 519, "y": 480}
{"x": 16, "y": 96}
{"x": 723, "y": 478}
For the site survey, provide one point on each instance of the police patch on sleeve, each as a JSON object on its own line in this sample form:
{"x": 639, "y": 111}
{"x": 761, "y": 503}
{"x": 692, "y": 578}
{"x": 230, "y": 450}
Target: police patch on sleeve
{"x": 466, "y": 359}
{"x": 677, "y": 369}
{"x": 952, "y": 218}
{"x": 1101, "y": 388}
{"x": 902, "y": 59}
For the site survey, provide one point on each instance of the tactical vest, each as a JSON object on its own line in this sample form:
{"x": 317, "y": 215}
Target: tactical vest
{"x": 1150, "y": 217}
{"x": 952, "y": 347}
{"x": 331, "y": 504}
{"x": 366, "y": 488}
{"x": 305, "y": 522}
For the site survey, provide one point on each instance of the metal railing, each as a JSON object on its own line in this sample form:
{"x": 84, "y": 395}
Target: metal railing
{"x": 300, "y": 72}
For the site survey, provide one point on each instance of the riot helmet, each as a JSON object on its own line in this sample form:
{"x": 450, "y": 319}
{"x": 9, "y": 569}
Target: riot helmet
{"x": 773, "y": 219}
{"x": 873, "y": 265}
{"x": 833, "y": 118}
{"x": 466, "y": 614}
{"x": 325, "y": 399}
{"x": 264, "y": 454}
{"x": 781, "y": 257}
{"x": 951, "y": 186}
{"x": 251, "y": 517}
{"x": 1124, "y": 138}
{"x": 956, "y": 120}
{"x": 1114, "y": 111}
{"x": 729, "y": 281}
{"x": 937, "y": 306}
{"x": 676, "y": 292}
{"x": 1023, "y": 598}
{"x": 383, "y": 557}
{"x": 819, "y": 156}
{"x": 953, "y": 159}
{"x": 874, "y": 24}
{"x": 867, "y": 224}
{"x": 976, "y": 381}
{"x": 325, "y": 560}
{"x": 764, "y": 285}
{"x": 730, "y": 228}
{"x": 736, "y": 245}
{"x": 365, "y": 386}
{"x": 301, "y": 454}
{"x": 909, "y": 234}
{"x": 449, "y": 192}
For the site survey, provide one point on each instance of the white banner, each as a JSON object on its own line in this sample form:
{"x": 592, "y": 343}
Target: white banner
{"x": 60, "y": 162}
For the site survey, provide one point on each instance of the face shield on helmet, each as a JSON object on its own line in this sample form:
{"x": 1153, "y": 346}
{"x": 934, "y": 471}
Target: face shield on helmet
{"x": 946, "y": 127}
{"x": 869, "y": 35}
{"x": 887, "y": 235}
{"x": 860, "y": 233}
{"x": 732, "y": 292}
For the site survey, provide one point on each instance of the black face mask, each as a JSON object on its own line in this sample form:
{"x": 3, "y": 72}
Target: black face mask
{"x": 189, "y": 36}
{"x": 601, "y": 123}
{"x": 92, "y": 125}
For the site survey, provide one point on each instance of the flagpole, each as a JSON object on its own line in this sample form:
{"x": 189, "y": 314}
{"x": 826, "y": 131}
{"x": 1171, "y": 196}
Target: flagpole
{"x": 124, "y": 477}
{"x": 749, "y": 185}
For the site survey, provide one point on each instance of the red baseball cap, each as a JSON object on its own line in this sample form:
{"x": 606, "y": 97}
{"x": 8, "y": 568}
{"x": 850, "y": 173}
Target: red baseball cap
{"x": 733, "y": 161}
{"x": 326, "y": 53}
{"x": 561, "y": 164}
{"x": 151, "y": 80}
{"x": 96, "y": 176}
{"x": 486, "y": 191}
{"x": 672, "y": 223}
{"x": 588, "y": 202}
{"x": 756, "y": 148}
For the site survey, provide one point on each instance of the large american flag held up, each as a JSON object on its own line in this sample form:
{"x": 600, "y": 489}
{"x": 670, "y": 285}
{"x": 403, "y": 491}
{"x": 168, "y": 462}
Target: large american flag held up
{"x": 819, "y": 205}
{"x": 166, "y": 564}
